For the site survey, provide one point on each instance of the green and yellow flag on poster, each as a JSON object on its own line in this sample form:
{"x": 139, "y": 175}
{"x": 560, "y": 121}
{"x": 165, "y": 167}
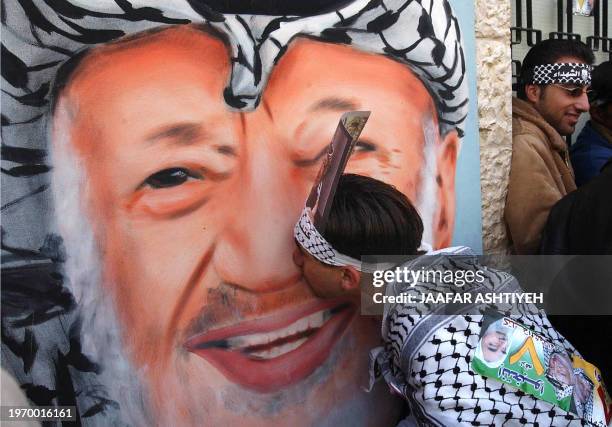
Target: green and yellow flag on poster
{"x": 511, "y": 353}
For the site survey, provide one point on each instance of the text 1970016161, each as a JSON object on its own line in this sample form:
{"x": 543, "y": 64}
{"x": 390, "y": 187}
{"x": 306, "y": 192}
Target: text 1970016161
{"x": 41, "y": 413}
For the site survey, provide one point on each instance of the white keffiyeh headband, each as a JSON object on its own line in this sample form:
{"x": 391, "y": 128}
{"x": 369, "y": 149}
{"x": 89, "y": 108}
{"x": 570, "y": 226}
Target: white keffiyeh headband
{"x": 309, "y": 238}
{"x": 564, "y": 73}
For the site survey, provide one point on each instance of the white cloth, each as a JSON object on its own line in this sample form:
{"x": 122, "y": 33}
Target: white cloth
{"x": 426, "y": 357}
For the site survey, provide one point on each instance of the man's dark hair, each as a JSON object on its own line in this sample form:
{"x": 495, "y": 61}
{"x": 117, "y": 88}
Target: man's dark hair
{"x": 549, "y": 52}
{"x": 369, "y": 217}
{"x": 601, "y": 85}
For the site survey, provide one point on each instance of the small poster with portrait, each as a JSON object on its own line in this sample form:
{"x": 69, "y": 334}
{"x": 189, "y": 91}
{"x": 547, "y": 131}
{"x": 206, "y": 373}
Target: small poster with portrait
{"x": 583, "y": 7}
{"x": 510, "y": 352}
{"x": 339, "y": 150}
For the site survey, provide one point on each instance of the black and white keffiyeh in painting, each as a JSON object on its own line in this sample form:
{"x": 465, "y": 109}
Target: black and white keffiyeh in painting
{"x": 422, "y": 34}
{"x": 129, "y": 294}
{"x": 39, "y": 36}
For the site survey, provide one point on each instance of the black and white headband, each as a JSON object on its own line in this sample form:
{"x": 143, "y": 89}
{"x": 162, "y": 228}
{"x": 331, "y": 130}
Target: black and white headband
{"x": 564, "y": 72}
{"x": 309, "y": 238}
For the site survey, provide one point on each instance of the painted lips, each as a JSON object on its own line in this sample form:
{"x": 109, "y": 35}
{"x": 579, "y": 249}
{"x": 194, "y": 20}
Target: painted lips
{"x": 271, "y": 353}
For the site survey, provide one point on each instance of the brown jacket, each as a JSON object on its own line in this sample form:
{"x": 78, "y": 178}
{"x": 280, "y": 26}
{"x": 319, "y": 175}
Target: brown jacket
{"x": 540, "y": 175}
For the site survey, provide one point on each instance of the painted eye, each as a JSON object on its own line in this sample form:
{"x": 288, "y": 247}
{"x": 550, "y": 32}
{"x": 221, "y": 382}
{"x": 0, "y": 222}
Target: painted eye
{"x": 364, "y": 146}
{"x": 171, "y": 177}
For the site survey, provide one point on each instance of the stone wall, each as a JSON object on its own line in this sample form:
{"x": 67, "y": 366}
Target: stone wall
{"x": 495, "y": 116}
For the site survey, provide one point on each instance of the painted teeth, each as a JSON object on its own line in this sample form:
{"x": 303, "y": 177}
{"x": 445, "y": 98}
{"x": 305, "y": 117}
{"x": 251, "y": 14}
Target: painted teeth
{"x": 313, "y": 321}
{"x": 278, "y": 350}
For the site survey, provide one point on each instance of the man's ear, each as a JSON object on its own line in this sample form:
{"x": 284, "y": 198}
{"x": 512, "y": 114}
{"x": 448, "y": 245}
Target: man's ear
{"x": 350, "y": 278}
{"x": 446, "y": 161}
{"x": 533, "y": 93}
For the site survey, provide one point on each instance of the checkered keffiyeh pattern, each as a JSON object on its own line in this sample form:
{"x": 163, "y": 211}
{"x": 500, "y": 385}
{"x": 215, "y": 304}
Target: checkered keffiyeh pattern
{"x": 39, "y": 35}
{"x": 427, "y": 357}
{"x": 564, "y": 73}
{"x": 311, "y": 240}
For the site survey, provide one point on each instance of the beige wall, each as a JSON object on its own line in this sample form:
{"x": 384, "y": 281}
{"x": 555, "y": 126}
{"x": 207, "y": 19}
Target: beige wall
{"x": 494, "y": 110}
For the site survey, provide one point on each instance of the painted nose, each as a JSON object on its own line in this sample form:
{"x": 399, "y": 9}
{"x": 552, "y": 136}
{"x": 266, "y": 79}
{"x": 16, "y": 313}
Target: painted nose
{"x": 255, "y": 251}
